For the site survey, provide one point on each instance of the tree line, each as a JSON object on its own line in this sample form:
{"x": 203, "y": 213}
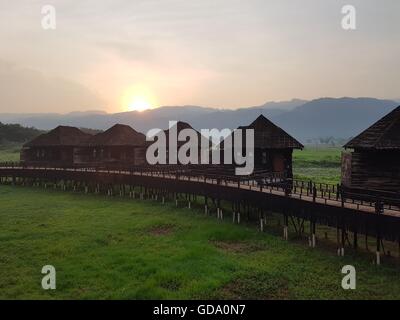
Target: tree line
{"x": 17, "y": 134}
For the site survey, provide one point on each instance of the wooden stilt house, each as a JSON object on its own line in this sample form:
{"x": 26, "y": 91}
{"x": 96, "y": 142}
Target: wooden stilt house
{"x": 273, "y": 147}
{"x": 57, "y": 147}
{"x": 120, "y": 146}
{"x": 374, "y": 162}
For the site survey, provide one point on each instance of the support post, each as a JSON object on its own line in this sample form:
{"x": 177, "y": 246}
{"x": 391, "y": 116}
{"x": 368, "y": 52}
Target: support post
{"x": 378, "y": 210}
{"x": 285, "y": 227}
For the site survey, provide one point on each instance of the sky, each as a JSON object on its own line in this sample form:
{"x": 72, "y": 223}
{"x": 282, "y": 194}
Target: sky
{"x": 120, "y": 55}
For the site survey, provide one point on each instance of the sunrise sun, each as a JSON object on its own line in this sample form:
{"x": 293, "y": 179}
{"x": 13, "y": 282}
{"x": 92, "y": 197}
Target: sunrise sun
{"x": 138, "y": 99}
{"x": 139, "y": 104}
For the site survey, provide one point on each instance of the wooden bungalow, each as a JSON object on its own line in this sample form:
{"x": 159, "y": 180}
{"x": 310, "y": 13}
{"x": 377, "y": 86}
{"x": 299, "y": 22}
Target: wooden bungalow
{"x": 57, "y": 147}
{"x": 120, "y": 145}
{"x": 374, "y": 162}
{"x": 273, "y": 147}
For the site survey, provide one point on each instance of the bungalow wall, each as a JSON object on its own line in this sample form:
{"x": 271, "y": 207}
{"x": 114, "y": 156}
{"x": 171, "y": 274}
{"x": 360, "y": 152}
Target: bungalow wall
{"x": 346, "y": 169}
{"x": 378, "y": 170}
{"x": 52, "y": 155}
{"x": 110, "y": 155}
{"x": 272, "y": 160}
{"x": 140, "y": 156}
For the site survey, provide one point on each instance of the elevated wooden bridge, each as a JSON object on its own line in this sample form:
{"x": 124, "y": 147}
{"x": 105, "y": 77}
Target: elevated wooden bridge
{"x": 252, "y": 197}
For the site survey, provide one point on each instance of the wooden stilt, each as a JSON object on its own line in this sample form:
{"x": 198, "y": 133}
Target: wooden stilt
{"x": 343, "y": 241}
{"x": 355, "y": 240}
{"x": 313, "y": 235}
{"x": 285, "y": 227}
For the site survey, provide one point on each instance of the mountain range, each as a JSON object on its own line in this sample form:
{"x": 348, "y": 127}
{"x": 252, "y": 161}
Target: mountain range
{"x": 305, "y": 120}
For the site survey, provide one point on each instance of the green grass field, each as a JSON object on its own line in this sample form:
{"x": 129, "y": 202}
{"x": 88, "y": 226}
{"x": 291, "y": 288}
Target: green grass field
{"x": 322, "y": 165}
{"x": 118, "y": 248}
{"x": 9, "y": 153}
{"x": 113, "y": 248}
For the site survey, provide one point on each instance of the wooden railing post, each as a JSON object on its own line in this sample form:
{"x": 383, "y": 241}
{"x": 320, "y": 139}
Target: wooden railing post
{"x": 314, "y": 190}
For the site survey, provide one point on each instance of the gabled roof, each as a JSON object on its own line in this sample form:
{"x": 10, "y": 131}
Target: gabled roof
{"x": 118, "y": 135}
{"x": 60, "y": 136}
{"x": 268, "y": 135}
{"x": 383, "y": 134}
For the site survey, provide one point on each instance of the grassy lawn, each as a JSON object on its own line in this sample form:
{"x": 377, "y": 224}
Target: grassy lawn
{"x": 111, "y": 248}
{"x": 322, "y": 165}
{"x": 9, "y": 153}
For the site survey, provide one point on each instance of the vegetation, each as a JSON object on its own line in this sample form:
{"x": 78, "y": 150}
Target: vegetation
{"x": 109, "y": 248}
{"x": 9, "y": 153}
{"x": 16, "y": 134}
{"x": 322, "y": 165}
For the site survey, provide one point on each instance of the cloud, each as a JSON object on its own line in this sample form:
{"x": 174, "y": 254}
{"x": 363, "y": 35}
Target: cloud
{"x": 129, "y": 50}
{"x": 209, "y": 52}
{"x": 23, "y": 89}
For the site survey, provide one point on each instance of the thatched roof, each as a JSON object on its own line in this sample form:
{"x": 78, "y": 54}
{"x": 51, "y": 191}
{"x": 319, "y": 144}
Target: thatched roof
{"x": 382, "y": 135}
{"x": 60, "y": 136}
{"x": 118, "y": 135}
{"x": 270, "y": 136}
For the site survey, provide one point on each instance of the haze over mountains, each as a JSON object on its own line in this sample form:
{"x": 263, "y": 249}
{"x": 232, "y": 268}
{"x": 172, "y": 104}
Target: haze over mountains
{"x": 305, "y": 120}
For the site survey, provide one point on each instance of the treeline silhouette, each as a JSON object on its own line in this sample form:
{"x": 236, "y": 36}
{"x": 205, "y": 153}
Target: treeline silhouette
{"x": 16, "y": 134}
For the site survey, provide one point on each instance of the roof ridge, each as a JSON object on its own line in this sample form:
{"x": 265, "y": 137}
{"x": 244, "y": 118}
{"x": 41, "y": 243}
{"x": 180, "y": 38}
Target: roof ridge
{"x": 372, "y": 136}
{"x": 273, "y": 130}
{"x": 389, "y": 126}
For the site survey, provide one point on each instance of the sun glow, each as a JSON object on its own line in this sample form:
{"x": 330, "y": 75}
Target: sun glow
{"x": 138, "y": 99}
{"x": 139, "y": 104}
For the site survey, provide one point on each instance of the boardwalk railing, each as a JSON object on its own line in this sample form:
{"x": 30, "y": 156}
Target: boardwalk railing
{"x": 263, "y": 181}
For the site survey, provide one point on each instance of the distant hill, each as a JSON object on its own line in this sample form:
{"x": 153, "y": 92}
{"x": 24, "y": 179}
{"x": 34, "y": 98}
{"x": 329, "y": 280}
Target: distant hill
{"x": 340, "y": 118}
{"x": 199, "y": 117}
{"x": 321, "y": 118}
{"x": 16, "y": 134}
